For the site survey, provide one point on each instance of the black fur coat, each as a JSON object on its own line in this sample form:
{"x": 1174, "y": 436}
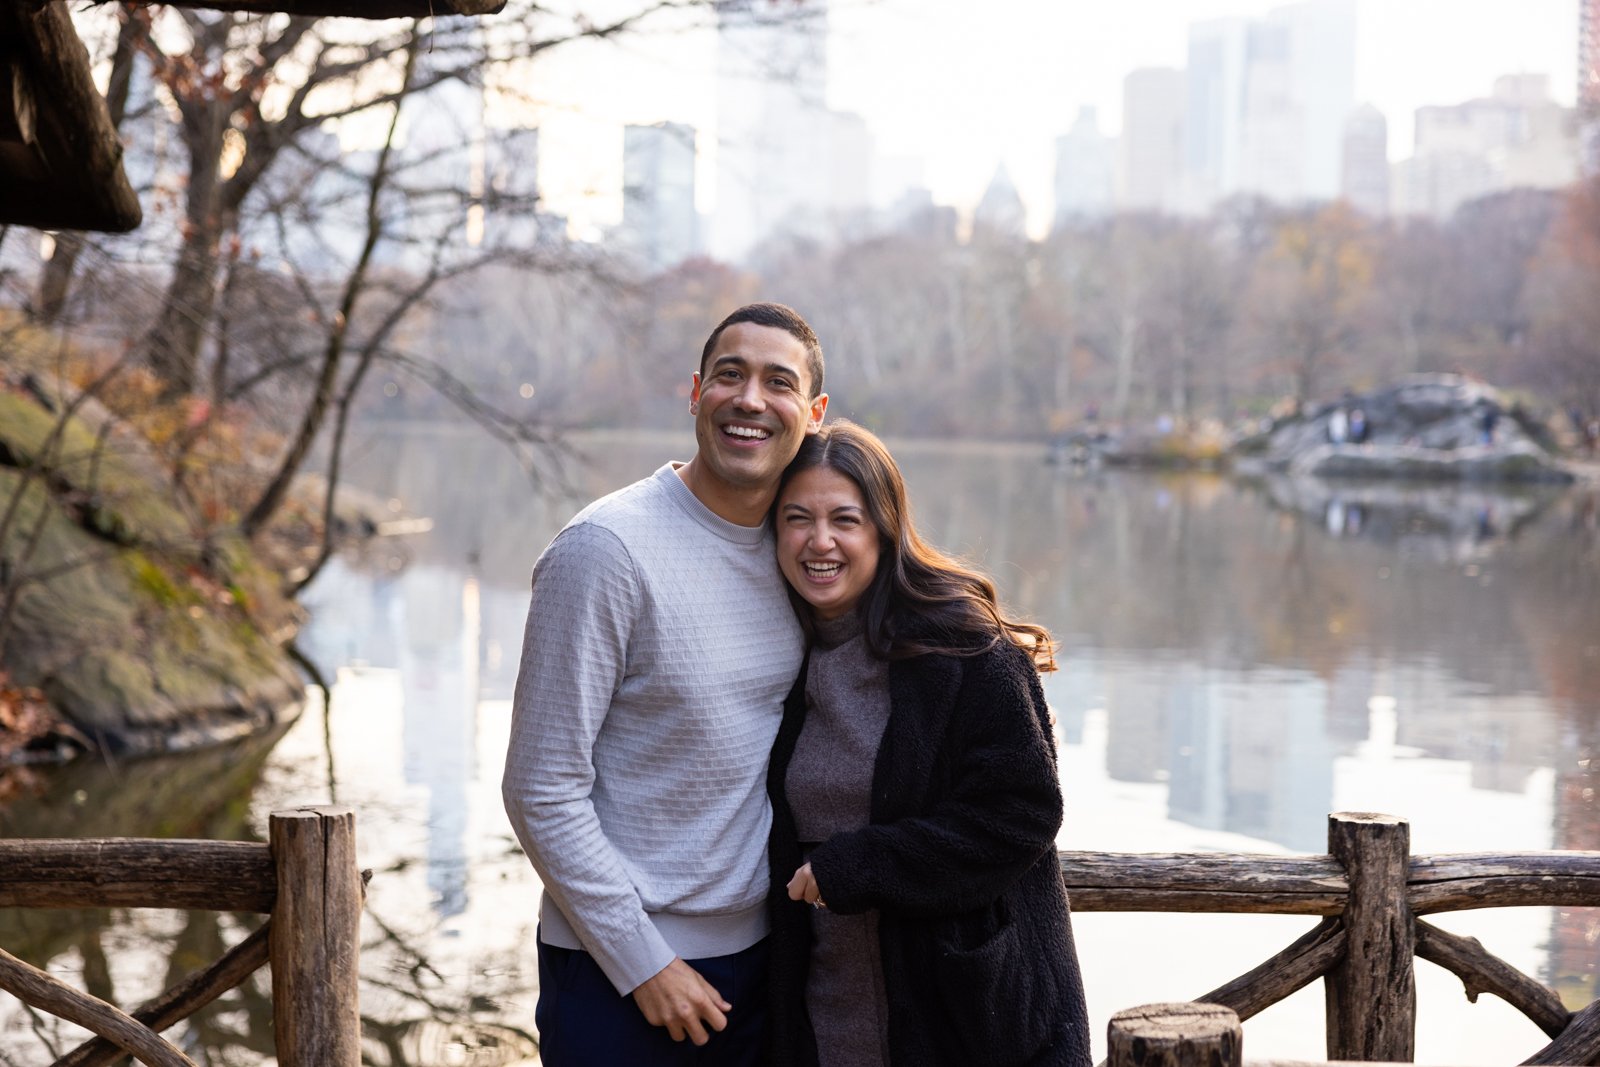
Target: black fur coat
{"x": 960, "y": 860}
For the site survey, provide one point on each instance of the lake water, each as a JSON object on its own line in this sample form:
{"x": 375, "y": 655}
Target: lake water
{"x": 1237, "y": 662}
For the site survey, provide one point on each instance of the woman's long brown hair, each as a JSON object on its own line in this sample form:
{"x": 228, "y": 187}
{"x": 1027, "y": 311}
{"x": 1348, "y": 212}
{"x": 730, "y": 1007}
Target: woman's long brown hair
{"x": 920, "y": 600}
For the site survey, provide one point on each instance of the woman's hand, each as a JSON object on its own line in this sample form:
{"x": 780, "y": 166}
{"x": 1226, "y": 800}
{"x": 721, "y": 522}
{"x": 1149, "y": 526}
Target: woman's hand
{"x": 803, "y": 886}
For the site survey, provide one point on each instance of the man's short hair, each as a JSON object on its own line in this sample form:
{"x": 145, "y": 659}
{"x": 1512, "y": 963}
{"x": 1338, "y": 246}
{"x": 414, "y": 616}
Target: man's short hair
{"x": 779, "y": 317}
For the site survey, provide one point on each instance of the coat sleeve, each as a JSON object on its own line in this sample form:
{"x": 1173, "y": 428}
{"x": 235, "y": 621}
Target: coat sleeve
{"x": 997, "y": 814}
{"x": 574, "y": 657}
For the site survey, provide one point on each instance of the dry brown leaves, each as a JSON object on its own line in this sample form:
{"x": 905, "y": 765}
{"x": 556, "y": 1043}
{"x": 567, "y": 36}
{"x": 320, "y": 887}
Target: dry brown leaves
{"x": 29, "y": 727}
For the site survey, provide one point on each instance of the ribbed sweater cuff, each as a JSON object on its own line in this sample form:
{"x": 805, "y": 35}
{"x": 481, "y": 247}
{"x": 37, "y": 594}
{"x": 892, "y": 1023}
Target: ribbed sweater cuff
{"x": 663, "y": 936}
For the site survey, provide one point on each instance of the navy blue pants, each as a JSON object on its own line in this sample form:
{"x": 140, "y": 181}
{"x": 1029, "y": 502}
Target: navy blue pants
{"x": 584, "y": 1022}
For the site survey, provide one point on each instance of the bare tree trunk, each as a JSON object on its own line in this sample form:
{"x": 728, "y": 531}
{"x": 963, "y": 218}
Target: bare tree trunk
{"x": 1005, "y": 352}
{"x": 1062, "y": 380}
{"x": 955, "y": 312}
{"x": 220, "y": 367}
{"x": 1182, "y": 399}
{"x": 172, "y": 345}
{"x": 1127, "y": 351}
{"x": 1408, "y": 341}
{"x": 1307, "y": 367}
{"x": 335, "y": 463}
{"x": 56, "y": 277}
{"x": 55, "y": 280}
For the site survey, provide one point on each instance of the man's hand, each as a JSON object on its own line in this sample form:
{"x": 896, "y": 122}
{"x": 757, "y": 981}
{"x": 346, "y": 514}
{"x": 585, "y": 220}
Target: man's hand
{"x": 681, "y": 1000}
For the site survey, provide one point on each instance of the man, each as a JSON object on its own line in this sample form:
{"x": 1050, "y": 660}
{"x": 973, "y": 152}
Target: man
{"x": 659, "y": 648}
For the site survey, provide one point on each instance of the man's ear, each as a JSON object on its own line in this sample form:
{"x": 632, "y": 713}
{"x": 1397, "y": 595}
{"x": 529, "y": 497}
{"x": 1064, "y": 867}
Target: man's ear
{"x": 694, "y": 390}
{"x": 819, "y": 408}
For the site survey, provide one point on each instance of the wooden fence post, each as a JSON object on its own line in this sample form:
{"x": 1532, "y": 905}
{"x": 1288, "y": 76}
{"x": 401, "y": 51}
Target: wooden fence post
{"x": 1184, "y": 1034}
{"x": 1371, "y": 994}
{"x": 314, "y": 944}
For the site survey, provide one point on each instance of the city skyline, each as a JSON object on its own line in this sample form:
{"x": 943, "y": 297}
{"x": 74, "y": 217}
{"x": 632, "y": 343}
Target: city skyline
{"x": 1029, "y": 68}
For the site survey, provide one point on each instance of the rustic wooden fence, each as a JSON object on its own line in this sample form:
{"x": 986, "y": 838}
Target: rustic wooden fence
{"x": 1370, "y": 892}
{"x": 304, "y": 879}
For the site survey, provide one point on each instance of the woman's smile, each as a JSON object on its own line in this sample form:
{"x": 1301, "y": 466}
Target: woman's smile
{"x": 827, "y": 544}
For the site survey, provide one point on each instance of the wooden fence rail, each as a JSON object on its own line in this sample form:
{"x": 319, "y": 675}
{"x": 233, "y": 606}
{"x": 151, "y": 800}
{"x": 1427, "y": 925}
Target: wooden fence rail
{"x": 1316, "y": 885}
{"x": 305, "y": 879}
{"x": 1370, "y": 892}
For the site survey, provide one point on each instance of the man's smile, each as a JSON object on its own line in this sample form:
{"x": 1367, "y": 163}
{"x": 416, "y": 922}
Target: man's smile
{"x": 747, "y": 433}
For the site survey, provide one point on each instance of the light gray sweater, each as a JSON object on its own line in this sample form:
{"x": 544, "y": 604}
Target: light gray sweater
{"x": 659, "y": 648}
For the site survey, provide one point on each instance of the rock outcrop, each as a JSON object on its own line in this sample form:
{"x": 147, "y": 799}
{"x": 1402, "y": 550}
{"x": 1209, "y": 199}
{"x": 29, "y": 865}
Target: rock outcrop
{"x": 144, "y": 631}
{"x": 1440, "y": 427}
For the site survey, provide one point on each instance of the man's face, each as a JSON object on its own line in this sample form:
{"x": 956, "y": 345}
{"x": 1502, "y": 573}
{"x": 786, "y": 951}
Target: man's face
{"x": 752, "y": 409}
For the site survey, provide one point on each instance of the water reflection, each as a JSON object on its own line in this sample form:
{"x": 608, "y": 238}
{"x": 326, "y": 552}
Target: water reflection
{"x": 1459, "y": 521}
{"x": 1257, "y": 753}
{"x": 1232, "y": 671}
{"x": 127, "y": 957}
{"x": 425, "y": 624}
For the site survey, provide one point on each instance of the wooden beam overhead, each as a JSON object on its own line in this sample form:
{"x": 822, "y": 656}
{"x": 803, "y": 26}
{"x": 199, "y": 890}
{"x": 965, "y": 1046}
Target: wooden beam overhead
{"x": 60, "y": 157}
{"x": 356, "y": 9}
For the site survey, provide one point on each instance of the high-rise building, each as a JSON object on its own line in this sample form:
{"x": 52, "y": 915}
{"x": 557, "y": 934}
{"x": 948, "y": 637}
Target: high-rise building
{"x": 438, "y": 164}
{"x": 1364, "y": 173}
{"x": 850, "y": 152}
{"x": 1151, "y": 151}
{"x": 1437, "y": 182}
{"x": 1266, "y": 102}
{"x": 1516, "y": 138}
{"x": 1001, "y": 211}
{"x": 1214, "y": 91}
{"x": 512, "y": 214}
{"x": 1085, "y": 167}
{"x": 1544, "y": 149}
{"x": 1322, "y": 39}
{"x": 894, "y": 176}
{"x": 459, "y": 180}
{"x": 449, "y": 158}
{"x": 659, "y": 223}
{"x": 773, "y": 127}
{"x": 1272, "y": 159}
{"x": 1589, "y": 84}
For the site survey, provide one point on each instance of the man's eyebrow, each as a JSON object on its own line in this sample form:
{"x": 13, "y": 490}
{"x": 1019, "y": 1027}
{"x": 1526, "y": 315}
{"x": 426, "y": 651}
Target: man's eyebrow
{"x": 735, "y": 359}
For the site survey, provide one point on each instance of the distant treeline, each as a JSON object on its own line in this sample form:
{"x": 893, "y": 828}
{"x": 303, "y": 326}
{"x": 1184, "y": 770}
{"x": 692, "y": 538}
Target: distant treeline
{"x": 1119, "y": 320}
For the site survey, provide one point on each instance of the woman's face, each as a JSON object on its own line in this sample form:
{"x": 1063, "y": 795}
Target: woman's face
{"x": 827, "y": 545}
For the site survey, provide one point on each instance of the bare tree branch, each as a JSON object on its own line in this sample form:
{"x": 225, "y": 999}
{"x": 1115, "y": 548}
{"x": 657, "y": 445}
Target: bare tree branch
{"x": 272, "y": 497}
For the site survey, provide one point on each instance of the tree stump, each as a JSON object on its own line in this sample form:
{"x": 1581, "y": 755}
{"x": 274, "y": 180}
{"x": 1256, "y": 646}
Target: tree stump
{"x": 1183, "y": 1034}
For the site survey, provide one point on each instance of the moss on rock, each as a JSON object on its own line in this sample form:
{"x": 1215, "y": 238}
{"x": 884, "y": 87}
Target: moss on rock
{"x": 119, "y": 490}
{"x": 141, "y": 632}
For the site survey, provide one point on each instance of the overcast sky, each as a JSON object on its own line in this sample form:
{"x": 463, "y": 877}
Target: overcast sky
{"x": 968, "y": 84}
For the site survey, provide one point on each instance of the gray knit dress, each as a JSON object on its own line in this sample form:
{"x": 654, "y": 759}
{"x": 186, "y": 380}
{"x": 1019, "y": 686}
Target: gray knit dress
{"x": 829, "y": 785}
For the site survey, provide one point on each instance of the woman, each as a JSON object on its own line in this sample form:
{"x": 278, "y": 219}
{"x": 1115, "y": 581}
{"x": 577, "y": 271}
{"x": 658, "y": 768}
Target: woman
{"x": 918, "y": 912}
